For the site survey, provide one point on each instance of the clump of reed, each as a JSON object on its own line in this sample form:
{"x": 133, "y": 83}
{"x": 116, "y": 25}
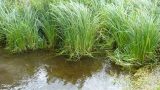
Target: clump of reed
{"x": 134, "y": 30}
{"x": 25, "y": 26}
{"x": 19, "y": 28}
{"x": 77, "y": 28}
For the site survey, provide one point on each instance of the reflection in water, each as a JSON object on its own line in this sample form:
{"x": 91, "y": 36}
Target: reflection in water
{"x": 42, "y": 71}
{"x": 37, "y": 81}
{"x": 103, "y": 81}
{"x": 72, "y": 71}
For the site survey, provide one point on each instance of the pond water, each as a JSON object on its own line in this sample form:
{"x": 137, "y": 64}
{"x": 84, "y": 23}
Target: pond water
{"x": 42, "y": 71}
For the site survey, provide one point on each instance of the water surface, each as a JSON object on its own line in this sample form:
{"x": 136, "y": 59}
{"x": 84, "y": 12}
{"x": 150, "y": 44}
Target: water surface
{"x": 40, "y": 70}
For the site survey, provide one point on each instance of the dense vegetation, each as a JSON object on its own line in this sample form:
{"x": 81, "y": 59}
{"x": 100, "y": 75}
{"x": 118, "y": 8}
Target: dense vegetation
{"x": 126, "y": 30}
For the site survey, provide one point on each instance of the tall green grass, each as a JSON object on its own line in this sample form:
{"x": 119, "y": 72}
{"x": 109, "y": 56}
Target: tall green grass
{"x": 77, "y": 28}
{"x": 25, "y": 26}
{"x": 46, "y": 24}
{"x": 19, "y": 28}
{"x": 134, "y": 30}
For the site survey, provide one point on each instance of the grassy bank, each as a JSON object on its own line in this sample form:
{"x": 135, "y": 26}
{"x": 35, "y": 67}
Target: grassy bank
{"x": 135, "y": 30}
{"x": 128, "y": 29}
{"x": 77, "y": 28}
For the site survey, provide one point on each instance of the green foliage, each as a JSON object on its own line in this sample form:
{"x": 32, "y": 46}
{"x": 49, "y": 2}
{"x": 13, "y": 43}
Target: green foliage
{"x": 26, "y": 25}
{"x": 20, "y": 30}
{"x": 135, "y": 31}
{"x": 77, "y": 27}
{"x": 46, "y": 23}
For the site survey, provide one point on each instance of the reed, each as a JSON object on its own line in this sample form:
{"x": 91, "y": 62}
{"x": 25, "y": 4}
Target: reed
{"x": 135, "y": 31}
{"x": 46, "y": 25}
{"x": 80, "y": 27}
{"x": 19, "y": 28}
{"x": 77, "y": 28}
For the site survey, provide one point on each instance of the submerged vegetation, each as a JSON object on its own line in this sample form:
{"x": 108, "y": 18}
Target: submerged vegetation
{"x": 78, "y": 28}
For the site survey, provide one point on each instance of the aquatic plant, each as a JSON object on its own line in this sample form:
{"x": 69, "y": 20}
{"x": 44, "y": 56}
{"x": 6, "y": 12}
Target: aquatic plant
{"x": 45, "y": 25}
{"x": 77, "y": 27}
{"x": 25, "y": 27}
{"x": 19, "y": 28}
{"x": 135, "y": 32}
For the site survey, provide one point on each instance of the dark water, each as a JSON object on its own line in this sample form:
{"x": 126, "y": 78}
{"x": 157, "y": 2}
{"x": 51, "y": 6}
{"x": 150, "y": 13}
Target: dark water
{"x": 42, "y": 71}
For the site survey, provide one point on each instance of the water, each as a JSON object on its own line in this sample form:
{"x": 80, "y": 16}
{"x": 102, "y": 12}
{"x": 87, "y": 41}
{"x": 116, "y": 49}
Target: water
{"x": 42, "y": 71}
